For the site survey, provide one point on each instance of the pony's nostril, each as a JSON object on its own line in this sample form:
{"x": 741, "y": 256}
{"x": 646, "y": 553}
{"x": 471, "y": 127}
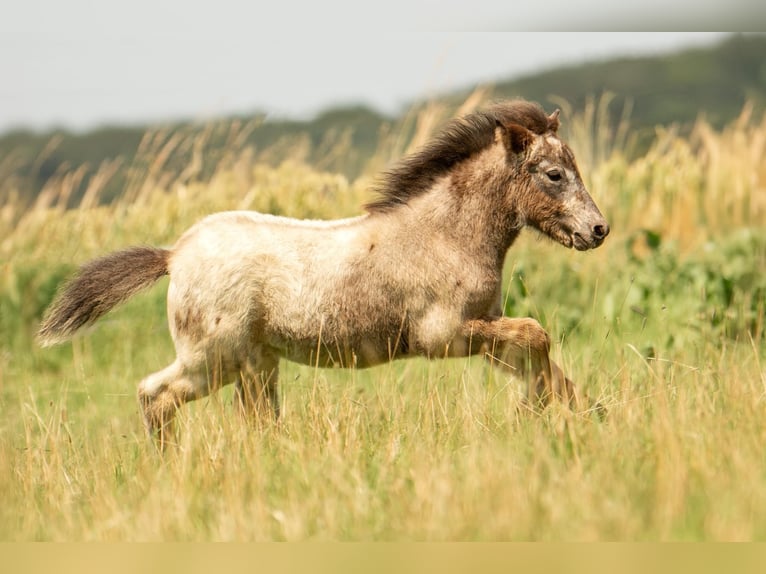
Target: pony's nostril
{"x": 601, "y": 231}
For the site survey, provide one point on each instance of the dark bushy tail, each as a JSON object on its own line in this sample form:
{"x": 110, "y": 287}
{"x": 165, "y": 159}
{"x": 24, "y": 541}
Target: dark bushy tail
{"x": 98, "y": 287}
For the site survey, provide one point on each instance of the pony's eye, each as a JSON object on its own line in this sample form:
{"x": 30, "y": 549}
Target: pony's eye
{"x": 553, "y": 175}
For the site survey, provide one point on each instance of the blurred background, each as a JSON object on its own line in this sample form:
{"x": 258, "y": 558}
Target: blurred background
{"x": 82, "y": 88}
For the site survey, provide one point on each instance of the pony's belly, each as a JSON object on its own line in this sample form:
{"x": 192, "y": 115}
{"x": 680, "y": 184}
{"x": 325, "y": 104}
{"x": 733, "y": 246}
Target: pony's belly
{"x": 343, "y": 354}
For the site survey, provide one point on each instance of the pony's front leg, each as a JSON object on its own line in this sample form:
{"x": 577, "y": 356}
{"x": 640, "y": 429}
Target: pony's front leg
{"x": 522, "y": 347}
{"x": 256, "y": 389}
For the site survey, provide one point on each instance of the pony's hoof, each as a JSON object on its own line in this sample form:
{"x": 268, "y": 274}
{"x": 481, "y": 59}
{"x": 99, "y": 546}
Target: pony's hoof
{"x": 600, "y": 410}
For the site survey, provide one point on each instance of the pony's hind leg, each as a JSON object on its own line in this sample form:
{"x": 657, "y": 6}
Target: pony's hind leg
{"x": 256, "y": 390}
{"x": 162, "y": 393}
{"x": 522, "y": 347}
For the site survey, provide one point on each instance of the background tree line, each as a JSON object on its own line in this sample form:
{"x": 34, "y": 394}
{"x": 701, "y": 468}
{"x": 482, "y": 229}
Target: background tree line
{"x": 675, "y": 89}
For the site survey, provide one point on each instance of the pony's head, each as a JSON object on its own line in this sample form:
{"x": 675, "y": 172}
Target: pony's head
{"x": 549, "y": 194}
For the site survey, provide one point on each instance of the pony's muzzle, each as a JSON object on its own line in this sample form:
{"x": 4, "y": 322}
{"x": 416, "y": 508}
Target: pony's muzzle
{"x": 598, "y": 233}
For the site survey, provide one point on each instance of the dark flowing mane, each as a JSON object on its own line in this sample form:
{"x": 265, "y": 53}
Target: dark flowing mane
{"x": 458, "y": 140}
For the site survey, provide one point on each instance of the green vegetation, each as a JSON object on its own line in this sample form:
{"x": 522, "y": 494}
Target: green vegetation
{"x": 664, "y": 325}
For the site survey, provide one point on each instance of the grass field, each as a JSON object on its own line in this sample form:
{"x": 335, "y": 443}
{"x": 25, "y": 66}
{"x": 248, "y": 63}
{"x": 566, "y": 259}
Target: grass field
{"x": 664, "y": 325}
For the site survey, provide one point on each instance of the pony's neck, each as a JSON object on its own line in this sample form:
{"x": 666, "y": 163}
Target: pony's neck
{"x": 476, "y": 203}
{"x": 487, "y": 229}
{"x": 467, "y": 219}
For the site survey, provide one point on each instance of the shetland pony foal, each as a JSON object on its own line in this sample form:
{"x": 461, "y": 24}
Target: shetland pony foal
{"x": 419, "y": 274}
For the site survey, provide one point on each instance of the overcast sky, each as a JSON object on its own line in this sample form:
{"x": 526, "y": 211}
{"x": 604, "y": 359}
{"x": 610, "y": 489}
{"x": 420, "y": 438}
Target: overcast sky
{"x": 83, "y": 63}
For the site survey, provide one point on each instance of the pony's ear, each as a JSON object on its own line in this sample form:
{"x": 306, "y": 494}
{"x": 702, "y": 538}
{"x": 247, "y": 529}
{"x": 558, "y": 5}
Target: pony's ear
{"x": 517, "y": 138}
{"x": 553, "y": 121}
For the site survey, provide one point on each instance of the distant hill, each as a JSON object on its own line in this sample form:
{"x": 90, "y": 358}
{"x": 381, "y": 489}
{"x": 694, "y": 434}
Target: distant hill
{"x": 676, "y": 88}
{"x": 715, "y": 81}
